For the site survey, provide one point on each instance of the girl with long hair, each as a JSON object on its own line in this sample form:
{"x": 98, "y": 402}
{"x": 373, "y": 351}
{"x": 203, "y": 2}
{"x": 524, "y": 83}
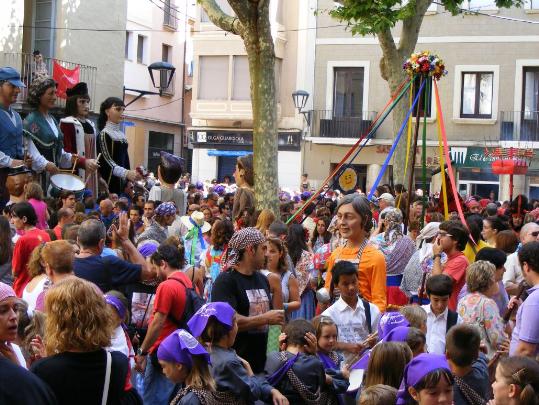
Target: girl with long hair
{"x": 302, "y": 260}
{"x": 221, "y": 232}
{"x": 321, "y": 234}
{"x": 517, "y": 382}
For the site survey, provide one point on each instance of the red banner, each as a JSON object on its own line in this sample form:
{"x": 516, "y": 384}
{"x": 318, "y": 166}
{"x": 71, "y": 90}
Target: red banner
{"x": 65, "y": 78}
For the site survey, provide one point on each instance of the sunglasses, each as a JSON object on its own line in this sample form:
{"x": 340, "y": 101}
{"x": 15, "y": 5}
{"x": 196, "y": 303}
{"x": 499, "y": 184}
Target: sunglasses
{"x": 535, "y": 234}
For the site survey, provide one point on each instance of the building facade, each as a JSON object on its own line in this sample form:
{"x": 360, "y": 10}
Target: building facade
{"x": 221, "y": 112}
{"x": 490, "y": 96}
{"x": 70, "y": 35}
{"x": 155, "y": 32}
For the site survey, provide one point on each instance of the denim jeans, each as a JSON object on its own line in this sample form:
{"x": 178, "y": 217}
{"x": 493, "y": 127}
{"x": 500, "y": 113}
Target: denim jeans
{"x": 157, "y": 388}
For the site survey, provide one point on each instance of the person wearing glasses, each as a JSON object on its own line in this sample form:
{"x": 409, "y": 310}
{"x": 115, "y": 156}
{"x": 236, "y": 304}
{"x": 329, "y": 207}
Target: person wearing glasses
{"x": 513, "y": 271}
{"x": 451, "y": 240}
{"x": 112, "y": 144}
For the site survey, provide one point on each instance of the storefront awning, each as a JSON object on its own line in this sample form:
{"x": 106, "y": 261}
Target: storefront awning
{"x": 215, "y": 152}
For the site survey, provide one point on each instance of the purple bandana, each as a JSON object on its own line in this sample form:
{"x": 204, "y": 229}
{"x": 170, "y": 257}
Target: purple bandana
{"x": 167, "y": 208}
{"x": 418, "y": 368}
{"x": 179, "y": 346}
{"x": 6, "y": 291}
{"x": 148, "y": 248}
{"x": 117, "y": 304}
{"x": 398, "y": 334}
{"x": 390, "y": 320}
{"x": 222, "y": 311}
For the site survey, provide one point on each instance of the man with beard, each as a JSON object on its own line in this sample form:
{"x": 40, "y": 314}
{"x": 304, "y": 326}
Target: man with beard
{"x": 355, "y": 222}
{"x": 248, "y": 292}
{"x": 168, "y": 310}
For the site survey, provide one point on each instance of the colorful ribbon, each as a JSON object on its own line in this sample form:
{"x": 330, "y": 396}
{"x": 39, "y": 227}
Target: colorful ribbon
{"x": 378, "y": 120}
{"x": 394, "y": 146}
{"x": 408, "y": 139}
{"x": 195, "y": 234}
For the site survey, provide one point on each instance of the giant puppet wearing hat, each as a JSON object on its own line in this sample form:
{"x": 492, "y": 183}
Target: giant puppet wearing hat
{"x": 79, "y": 131}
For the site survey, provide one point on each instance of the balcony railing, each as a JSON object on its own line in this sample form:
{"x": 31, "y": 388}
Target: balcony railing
{"x": 170, "y": 17}
{"x": 519, "y": 126}
{"x": 324, "y": 123}
{"x": 24, "y": 63}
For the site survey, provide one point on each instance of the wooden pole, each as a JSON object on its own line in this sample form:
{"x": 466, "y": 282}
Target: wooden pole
{"x": 414, "y": 147}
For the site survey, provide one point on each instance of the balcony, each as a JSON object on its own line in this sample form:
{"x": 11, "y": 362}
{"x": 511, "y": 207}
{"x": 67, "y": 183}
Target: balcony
{"x": 170, "y": 16}
{"x": 325, "y": 124}
{"x": 24, "y": 63}
{"x": 519, "y": 126}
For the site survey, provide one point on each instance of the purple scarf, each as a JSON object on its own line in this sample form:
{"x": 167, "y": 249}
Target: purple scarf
{"x": 326, "y": 361}
{"x": 278, "y": 374}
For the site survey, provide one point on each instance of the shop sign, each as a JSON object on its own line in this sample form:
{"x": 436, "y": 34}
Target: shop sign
{"x": 214, "y": 139}
{"x": 470, "y": 157}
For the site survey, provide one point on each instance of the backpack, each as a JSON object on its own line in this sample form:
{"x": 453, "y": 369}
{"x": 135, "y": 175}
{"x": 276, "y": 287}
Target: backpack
{"x": 193, "y": 302}
{"x": 368, "y": 319}
{"x": 452, "y": 318}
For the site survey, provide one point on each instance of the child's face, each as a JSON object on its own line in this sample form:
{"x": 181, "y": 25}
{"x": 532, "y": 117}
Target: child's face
{"x": 441, "y": 394}
{"x": 347, "y": 285}
{"x": 175, "y": 372}
{"x": 328, "y": 338}
{"x": 503, "y": 392}
{"x": 438, "y": 303}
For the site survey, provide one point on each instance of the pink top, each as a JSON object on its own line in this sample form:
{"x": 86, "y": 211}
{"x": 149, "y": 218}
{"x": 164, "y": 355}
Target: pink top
{"x": 41, "y": 211}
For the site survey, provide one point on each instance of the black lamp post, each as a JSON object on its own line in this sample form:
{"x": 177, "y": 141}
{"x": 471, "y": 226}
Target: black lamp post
{"x": 165, "y": 74}
{"x": 300, "y": 98}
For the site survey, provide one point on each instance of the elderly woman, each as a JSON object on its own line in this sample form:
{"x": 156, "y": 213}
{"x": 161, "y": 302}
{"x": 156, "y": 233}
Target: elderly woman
{"x": 43, "y": 127}
{"x": 77, "y": 329}
{"x": 478, "y": 307}
{"x": 397, "y": 249}
{"x": 8, "y": 325}
{"x": 419, "y": 267}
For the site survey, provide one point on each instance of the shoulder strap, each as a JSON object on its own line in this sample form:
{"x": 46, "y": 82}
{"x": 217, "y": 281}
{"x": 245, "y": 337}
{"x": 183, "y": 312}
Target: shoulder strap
{"x": 471, "y": 395}
{"x": 451, "y": 320}
{"x": 105, "y": 396}
{"x": 367, "y": 307}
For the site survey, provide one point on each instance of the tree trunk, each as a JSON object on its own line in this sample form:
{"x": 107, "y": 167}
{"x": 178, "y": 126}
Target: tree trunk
{"x": 261, "y": 56}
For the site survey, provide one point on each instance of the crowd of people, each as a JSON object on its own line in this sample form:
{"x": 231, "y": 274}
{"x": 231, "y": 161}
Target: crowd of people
{"x": 187, "y": 294}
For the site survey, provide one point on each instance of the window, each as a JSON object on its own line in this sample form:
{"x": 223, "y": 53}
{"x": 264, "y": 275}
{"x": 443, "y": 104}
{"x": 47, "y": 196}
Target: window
{"x": 166, "y": 56}
{"x": 170, "y": 18}
{"x": 348, "y": 91}
{"x": 476, "y": 95}
{"x": 166, "y": 53}
{"x": 421, "y": 103}
{"x": 241, "y": 81}
{"x": 213, "y": 78}
{"x": 128, "y": 36}
{"x": 531, "y": 4}
{"x": 530, "y": 89}
{"x": 44, "y": 18}
{"x": 141, "y": 49}
{"x": 223, "y": 4}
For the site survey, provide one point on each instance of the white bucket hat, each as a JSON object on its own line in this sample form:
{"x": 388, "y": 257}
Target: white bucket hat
{"x": 196, "y": 218}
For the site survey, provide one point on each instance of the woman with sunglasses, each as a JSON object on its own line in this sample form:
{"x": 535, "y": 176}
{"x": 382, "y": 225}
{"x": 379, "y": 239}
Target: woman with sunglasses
{"x": 112, "y": 144}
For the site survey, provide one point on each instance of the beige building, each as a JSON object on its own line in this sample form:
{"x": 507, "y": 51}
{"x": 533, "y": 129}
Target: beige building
{"x": 221, "y": 112}
{"x": 157, "y": 31}
{"x": 489, "y": 97}
{"x": 89, "y": 35}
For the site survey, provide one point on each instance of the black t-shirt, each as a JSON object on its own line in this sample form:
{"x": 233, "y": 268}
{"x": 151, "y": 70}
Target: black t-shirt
{"x": 107, "y": 272}
{"x": 20, "y": 387}
{"x": 249, "y": 296}
{"x": 79, "y": 378}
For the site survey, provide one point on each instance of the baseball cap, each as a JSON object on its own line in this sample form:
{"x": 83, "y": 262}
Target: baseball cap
{"x": 386, "y": 197}
{"x": 10, "y": 75}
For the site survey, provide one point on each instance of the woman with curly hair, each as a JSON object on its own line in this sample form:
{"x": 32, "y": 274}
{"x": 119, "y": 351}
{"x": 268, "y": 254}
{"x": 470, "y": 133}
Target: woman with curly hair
{"x": 77, "y": 328}
{"x": 221, "y": 232}
{"x": 38, "y": 279}
{"x": 302, "y": 260}
{"x": 44, "y": 130}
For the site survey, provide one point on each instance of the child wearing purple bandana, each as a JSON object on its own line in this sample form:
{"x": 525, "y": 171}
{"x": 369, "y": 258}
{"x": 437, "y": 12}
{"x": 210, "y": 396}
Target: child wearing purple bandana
{"x": 185, "y": 361}
{"x": 215, "y": 323}
{"x": 427, "y": 380}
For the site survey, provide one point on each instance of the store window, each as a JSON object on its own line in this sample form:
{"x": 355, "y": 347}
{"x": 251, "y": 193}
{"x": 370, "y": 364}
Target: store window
{"x": 476, "y": 95}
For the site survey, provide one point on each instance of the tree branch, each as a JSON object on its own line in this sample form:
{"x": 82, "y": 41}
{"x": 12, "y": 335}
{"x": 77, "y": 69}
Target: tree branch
{"x": 222, "y": 20}
{"x": 389, "y": 52}
{"x": 411, "y": 27}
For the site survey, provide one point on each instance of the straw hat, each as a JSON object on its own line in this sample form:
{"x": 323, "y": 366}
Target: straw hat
{"x": 198, "y": 218}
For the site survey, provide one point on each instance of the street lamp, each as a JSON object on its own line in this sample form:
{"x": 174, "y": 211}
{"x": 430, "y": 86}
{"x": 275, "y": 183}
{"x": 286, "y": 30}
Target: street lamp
{"x": 300, "y": 98}
{"x": 166, "y": 73}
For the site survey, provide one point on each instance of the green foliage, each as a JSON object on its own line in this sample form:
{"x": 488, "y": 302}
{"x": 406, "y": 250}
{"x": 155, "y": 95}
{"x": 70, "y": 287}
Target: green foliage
{"x": 368, "y": 17}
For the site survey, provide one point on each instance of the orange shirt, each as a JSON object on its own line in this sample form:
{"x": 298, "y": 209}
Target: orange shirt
{"x": 372, "y": 273}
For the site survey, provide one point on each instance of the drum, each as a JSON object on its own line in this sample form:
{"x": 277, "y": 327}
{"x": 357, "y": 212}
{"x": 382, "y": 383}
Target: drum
{"x": 63, "y": 181}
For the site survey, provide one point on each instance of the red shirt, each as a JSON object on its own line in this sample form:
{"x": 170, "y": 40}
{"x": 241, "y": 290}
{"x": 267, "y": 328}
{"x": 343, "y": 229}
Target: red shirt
{"x": 58, "y": 232}
{"x": 21, "y": 255}
{"x": 455, "y": 267}
{"x": 170, "y": 301}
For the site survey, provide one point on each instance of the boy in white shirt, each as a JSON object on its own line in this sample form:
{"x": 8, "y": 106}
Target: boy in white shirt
{"x": 354, "y": 322}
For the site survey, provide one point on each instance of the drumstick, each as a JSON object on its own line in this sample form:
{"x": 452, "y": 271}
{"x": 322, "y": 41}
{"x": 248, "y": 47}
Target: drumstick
{"x": 88, "y": 178}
